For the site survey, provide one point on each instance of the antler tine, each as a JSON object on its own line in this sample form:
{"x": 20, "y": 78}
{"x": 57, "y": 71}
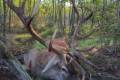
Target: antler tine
{"x": 80, "y": 21}
{"x": 35, "y": 34}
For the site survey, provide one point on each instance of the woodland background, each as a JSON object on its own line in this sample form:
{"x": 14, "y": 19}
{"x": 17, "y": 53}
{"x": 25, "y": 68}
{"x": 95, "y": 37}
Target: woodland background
{"x": 99, "y": 29}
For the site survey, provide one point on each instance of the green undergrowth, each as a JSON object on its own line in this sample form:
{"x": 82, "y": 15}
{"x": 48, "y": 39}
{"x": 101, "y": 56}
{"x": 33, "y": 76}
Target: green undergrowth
{"x": 37, "y": 45}
{"x": 81, "y": 43}
{"x": 88, "y": 43}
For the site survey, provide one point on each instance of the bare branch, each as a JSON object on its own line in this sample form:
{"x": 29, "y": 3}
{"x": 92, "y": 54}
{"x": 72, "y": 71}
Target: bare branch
{"x": 87, "y": 18}
{"x": 77, "y": 67}
{"x": 87, "y": 35}
{"x": 80, "y": 56}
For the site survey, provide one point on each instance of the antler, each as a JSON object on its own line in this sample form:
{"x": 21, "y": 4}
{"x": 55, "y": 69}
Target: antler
{"x": 26, "y": 20}
{"x": 80, "y": 21}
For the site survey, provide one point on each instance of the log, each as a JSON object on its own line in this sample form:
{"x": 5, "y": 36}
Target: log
{"x": 10, "y": 66}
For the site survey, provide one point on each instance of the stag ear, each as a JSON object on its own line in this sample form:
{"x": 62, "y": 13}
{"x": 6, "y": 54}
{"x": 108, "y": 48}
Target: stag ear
{"x": 50, "y": 46}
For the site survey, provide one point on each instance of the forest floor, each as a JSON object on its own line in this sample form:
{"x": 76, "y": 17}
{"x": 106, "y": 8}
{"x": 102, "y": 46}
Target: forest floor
{"x": 107, "y": 58}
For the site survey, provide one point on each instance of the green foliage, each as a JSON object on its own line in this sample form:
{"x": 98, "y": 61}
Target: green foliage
{"x": 97, "y": 2}
{"x": 47, "y": 33}
{"x": 37, "y": 45}
{"x": 53, "y": 13}
{"x": 26, "y": 35}
{"x": 88, "y": 43}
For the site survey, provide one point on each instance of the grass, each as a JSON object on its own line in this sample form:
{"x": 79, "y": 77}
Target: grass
{"x": 81, "y": 43}
{"x": 26, "y": 35}
{"x": 88, "y": 43}
{"x": 38, "y": 45}
{"x": 20, "y": 36}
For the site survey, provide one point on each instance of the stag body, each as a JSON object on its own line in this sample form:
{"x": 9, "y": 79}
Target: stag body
{"x": 46, "y": 62}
